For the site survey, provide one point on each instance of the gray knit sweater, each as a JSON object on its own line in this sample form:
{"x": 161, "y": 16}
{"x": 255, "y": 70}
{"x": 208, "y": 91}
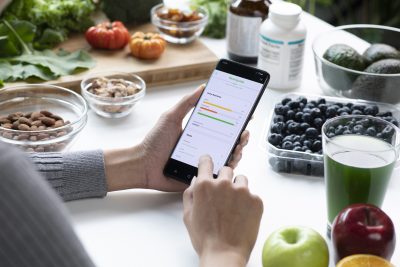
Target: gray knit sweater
{"x": 35, "y": 229}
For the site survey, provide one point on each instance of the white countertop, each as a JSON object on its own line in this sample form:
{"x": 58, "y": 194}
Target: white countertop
{"x": 145, "y": 228}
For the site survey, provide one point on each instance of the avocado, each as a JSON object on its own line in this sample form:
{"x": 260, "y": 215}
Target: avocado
{"x": 379, "y": 88}
{"x": 377, "y": 52}
{"x": 347, "y": 57}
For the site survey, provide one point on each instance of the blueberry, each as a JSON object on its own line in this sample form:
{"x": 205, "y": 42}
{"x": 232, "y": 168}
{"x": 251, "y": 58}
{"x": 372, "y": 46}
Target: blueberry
{"x": 359, "y": 107}
{"x": 304, "y": 126}
{"x": 306, "y": 110}
{"x": 304, "y": 148}
{"x": 310, "y": 105}
{"x": 318, "y": 122}
{"x": 336, "y": 107}
{"x": 343, "y": 113}
{"x": 298, "y": 117}
{"x": 356, "y": 112}
{"x": 385, "y": 114}
{"x": 321, "y": 101}
{"x": 306, "y": 117}
{"x": 315, "y": 112}
{"x": 278, "y": 127}
{"x": 340, "y": 105}
{"x": 308, "y": 151}
{"x": 287, "y": 145}
{"x": 371, "y": 131}
{"x": 280, "y": 109}
{"x": 347, "y": 132}
{"x": 395, "y": 122}
{"x": 364, "y": 122}
{"x": 288, "y": 138}
{"x": 313, "y": 102}
{"x": 293, "y": 104}
{"x": 387, "y": 132}
{"x": 358, "y": 129}
{"x": 302, "y": 100}
{"x": 285, "y": 100}
{"x": 296, "y": 138}
{"x": 371, "y": 110}
{"x": 323, "y": 108}
{"x": 349, "y": 105}
{"x": 307, "y": 143}
{"x": 275, "y": 139}
{"x": 330, "y": 134}
{"x": 298, "y": 148}
{"x": 344, "y": 109}
{"x": 339, "y": 130}
{"x": 278, "y": 118}
{"x": 290, "y": 115}
{"x": 311, "y": 133}
{"x": 330, "y": 112}
{"x": 294, "y": 128}
{"x": 379, "y": 135}
{"x": 297, "y": 143}
{"x": 316, "y": 146}
{"x": 302, "y": 138}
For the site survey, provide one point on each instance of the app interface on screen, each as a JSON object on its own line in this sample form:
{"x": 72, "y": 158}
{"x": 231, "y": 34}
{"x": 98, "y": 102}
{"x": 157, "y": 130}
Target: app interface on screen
{"x": 217, "y": 119}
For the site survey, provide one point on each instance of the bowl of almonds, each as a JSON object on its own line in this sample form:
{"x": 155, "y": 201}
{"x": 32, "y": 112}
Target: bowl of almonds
{"x": 113, "y": 94}
{"x": 41, "y": 117}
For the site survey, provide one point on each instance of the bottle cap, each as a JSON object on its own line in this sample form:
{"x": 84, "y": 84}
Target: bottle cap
{"x": 285, "y": 13}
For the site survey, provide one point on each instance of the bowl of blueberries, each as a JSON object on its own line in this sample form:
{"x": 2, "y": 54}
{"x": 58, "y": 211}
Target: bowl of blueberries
{"x": 293, "y": 138}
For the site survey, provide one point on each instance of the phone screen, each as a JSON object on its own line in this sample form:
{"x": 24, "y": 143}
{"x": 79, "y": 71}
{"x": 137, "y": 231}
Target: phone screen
{"x": 220, "y": 115}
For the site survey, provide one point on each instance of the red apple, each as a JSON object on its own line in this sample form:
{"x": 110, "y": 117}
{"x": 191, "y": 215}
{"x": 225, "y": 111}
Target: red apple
{"x": 363, "y": 229}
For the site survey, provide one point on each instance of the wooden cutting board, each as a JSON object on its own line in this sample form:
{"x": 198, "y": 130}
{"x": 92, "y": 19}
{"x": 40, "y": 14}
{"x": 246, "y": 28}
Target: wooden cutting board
{"x": 178, "y": 63}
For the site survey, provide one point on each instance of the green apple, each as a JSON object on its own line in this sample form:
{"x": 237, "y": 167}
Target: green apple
{"x": 295, "y": 246}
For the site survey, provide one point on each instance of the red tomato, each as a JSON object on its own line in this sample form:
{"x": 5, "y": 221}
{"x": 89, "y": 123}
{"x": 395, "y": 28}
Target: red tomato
{"x": 108, "y": 35}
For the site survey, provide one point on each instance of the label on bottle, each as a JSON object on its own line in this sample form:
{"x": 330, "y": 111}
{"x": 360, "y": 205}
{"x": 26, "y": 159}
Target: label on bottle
{"x": 283, "y": 60}
{"x": 243, "y": 35}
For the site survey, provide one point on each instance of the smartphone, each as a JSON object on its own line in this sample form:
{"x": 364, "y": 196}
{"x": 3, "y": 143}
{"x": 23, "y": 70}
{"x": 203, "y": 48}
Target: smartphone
{"x": 218, "y": 119}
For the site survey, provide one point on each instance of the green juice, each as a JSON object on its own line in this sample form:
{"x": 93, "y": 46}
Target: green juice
{"x": 356, "y": 176}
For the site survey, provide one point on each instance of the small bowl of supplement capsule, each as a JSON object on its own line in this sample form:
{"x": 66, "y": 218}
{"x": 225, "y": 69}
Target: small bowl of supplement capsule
{"x": 41, "y": 117}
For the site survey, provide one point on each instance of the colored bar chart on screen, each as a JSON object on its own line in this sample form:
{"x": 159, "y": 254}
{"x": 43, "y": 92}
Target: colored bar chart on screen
{"x": 214, "y": 118}
{"x": 217, "y": 106}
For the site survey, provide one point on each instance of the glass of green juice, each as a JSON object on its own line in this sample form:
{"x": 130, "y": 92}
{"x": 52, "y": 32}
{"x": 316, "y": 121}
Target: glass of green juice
{"x": 359, "y": 156}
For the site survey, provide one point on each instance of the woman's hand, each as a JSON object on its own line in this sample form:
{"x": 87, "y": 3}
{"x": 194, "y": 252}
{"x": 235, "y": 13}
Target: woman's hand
{"x": 142, "y": 166}
{"x": 158, "y": 144}
{"x": 221, "y": 216}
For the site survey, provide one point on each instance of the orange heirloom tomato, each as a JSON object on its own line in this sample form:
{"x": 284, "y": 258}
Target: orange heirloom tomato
{"x": 108, "y": 35}
{"x": 147, "y": 45}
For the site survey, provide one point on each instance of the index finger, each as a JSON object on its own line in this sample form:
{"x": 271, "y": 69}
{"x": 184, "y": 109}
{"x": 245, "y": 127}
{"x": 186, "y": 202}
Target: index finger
{"x": 206, "y": 166}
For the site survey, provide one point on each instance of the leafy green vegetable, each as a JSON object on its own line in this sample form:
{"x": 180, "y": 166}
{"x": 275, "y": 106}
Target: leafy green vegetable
{"x": 62, "y": 63}
{"x": 217, "y": 12}
{"x": 18, "y": 61}
{"x": 9, "y": 43}
{"x": 54, "y": 18}
{"x": 129, "y": 11}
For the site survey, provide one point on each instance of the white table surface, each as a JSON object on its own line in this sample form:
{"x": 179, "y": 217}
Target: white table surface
{"x": 145, "y": 228}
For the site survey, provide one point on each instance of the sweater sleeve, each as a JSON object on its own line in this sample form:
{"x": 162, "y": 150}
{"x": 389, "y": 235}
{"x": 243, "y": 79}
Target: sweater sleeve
{"x": 74, "y": 175}
{"x": 35, "y": 226}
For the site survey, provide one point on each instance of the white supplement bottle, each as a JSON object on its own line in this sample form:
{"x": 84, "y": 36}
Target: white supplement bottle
{"x": 281, "y": 50}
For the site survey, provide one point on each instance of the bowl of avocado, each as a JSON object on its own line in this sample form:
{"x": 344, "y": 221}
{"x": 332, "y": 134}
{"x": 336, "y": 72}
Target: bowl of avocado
{"x": 359, "y": 61}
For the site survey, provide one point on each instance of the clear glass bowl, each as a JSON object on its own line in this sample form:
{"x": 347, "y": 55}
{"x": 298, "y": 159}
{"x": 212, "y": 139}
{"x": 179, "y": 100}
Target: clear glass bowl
{"x": 340, "y": 81}
{"x": 178, "y": 32}
{"x": 113, "y": 107}
{"x": 60, "y": 101}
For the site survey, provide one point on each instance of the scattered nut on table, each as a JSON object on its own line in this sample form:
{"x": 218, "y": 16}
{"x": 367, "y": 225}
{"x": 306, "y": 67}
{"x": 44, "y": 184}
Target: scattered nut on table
{"x": 27, "y": 126}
